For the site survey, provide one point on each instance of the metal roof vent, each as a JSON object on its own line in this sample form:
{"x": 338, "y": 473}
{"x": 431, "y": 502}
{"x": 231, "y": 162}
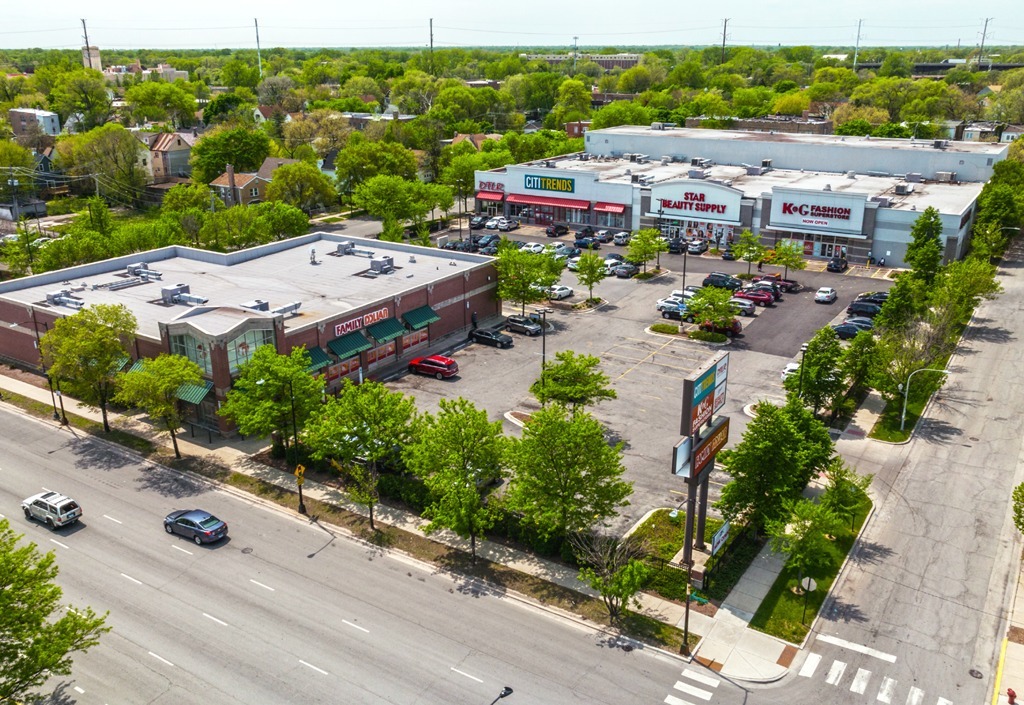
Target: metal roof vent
{"x": 256, "y": 305}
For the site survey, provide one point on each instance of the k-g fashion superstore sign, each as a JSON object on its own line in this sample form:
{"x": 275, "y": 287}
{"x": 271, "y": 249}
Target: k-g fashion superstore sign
{"x": 818, "y": 210}
{"x": 353, "y": 324}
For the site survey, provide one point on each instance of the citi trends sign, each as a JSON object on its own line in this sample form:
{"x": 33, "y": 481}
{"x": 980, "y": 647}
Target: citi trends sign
{"x": 841, "y": 213}
{"x": 354, "y": 324}
{"x": 550, "y": 183}
{"x": 691, "y": 200}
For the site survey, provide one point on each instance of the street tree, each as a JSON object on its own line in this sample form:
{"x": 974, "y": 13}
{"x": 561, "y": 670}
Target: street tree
{"x": 574, "y": 381}
{"x": 844, "y": 490}
{"x": 749, "y": 248}
{"x": 762, "y": 469}
{"x": 816, "y": 444}
{"x": 242, "y": 148}
{"x": 590, "y": 271}
{"x": 157, "y": 101}
{"x": 82, "y": 92}
{"x": 360, "y": 429}
{"x": 924, "y": 252}
{"x": 40, "y": 635}
{"x": 324, "y": 130}
{"x": 524, "y": 277}
{"x": 711, "y": 304}
{"x": 273, "y": 393}
{"x": 458, "y": 454}
{"x": 362, "y": 159}
{"x": 86, "y": 350}
{"x": 565, "y": 476}
{"x": 153, "y": 387}
{"x": 820, "y": 380}
{"x": 907, "y": 303}
{"x": 988, "y": 241}
{"x": 613, "y": 566}
{"x": 111, "y": 157}
{"x": 858, "y": 358}
{"x": 645, "y": 245}
{"x": 802, "y": 534}
{"x": 1018, "y": 507}
{"x": 184, "y": 196}
{"x": 301, "y": 185}
{"x": 790, "y": 255}
{"x": 957, "y": 291}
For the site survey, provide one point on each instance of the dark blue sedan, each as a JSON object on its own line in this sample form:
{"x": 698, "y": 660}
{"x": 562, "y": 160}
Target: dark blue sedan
{"x": 202, "y": 527}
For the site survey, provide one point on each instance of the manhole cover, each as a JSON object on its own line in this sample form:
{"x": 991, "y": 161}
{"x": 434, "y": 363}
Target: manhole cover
{"x": 975, "y": 673}
{"x": 246, "y": 550}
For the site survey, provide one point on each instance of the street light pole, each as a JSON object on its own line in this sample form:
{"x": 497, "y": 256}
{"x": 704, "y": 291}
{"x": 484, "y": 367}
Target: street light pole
{"x": 505, "y": 692}
{"x": 906, "y": 391}
{"x": 295, "y": 445}
{"x": 686, "y": 618}
{"x": 544, "y": 311}
{"x": 803, "y": 350}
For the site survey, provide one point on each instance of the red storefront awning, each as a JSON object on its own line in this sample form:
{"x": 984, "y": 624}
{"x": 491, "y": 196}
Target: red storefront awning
{"x": 602, "y": 207}
{"x": 547, "y": 201}
{"x": 489, "y": 195}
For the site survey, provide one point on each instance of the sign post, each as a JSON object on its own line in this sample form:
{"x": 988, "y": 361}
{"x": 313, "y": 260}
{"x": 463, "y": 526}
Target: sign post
{"x": 300, "y": 479}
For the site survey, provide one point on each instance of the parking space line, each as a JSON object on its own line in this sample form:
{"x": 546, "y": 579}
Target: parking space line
{"x": 309, "y": 665}
{"x": 112, "y": 519}
{"x": 463, "y": 673}
{"x": 58, "y": 543}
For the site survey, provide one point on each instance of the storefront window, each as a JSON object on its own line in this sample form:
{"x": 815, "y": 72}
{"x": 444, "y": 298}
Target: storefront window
{"x": 240, "y": 349}
{"x": 575, "y": 215}
{"x": 611, "y": 220}
{"x": 197, "y": 352}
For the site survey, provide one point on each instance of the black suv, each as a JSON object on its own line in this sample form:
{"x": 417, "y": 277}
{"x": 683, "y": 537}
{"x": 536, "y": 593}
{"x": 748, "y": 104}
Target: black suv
{"x": 477, "y": 222}
{"x": 556, "y": 230}
{"x": 676, "y": 246}
{"x": 723, "y": 281}
{"x": 863, "y": 308}
{"x": 837, "y": 264}
{"x": 874, "y": 297}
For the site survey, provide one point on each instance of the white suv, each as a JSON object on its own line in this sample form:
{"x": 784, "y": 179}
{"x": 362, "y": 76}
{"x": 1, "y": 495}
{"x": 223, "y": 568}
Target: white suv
{"x": 52, "y": 509}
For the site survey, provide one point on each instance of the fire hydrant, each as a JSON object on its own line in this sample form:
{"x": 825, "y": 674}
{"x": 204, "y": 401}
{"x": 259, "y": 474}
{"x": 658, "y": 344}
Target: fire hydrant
{"x": 1012, "y": 695}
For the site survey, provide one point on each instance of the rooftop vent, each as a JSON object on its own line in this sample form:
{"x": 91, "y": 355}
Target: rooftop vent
{"x": 345, "y": 248}
{"x": 904, "y": 189}
{"x": 914, "y": 177}
{"x": 945, "y": 177}
{"x": 293, "y": 307}
{"x": 828, "y": 187}
{"x": 256, "y": 305}
{"x": 382, "y": 265}
{"x": 766, "y": 163}
{"x": 700, "y": 162}
{"x": 64, "y": 298}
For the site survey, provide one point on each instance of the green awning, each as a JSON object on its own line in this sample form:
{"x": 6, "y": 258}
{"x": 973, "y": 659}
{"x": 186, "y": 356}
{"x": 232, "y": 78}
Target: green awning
{"x": 386, "y": 330}
{"x": 317, "y": 358}
{"x": 421, "y": 317}
{"x": 137, "y": 365}
{"x": 349, "y": 345}
{"x": 194, "y": 393}
{"x": 121, "y": 362}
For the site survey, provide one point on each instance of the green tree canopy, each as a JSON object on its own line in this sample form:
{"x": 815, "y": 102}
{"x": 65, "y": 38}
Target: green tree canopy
{"x": 802, "y": 534}
{"x": 590, "y": 271}
{"x": 242, "y": 148}
{"x": 845, "y": 490}
{"x": 788, "y": 254}
{"x": 154, "y": 388}
{"x": 524, "y": 277}
{"x": 645, "y": 245}
{"x": 749, "y": 248}
{"x": 111, "y": 153}
{"x": 301, "y": 185}
{"x": 362, "y": 159}
{"x": 573, "y": 381}
{"x": 924, "y": 253}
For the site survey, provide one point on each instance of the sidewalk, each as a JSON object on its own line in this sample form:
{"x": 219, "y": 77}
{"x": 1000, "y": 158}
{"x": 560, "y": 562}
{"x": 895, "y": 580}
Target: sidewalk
{"x": 728, "y": 645}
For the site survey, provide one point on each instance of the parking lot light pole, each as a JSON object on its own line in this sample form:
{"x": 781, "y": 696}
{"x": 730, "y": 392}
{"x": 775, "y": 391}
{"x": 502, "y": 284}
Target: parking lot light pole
{"x": 543, "y": 311}
{"x": 906, "y": 391}
{"x": 505, "y": 692}
{"x": 803, "y": 350}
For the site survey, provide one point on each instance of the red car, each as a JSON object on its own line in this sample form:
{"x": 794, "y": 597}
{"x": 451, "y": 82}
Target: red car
{"x": 761, "y": 298}
{"x": 733, "y": 328}
{"x": 437, "y": 365}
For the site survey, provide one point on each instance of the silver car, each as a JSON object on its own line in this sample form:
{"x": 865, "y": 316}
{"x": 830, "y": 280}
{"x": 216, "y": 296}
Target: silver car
{"x": 52, "y": 508}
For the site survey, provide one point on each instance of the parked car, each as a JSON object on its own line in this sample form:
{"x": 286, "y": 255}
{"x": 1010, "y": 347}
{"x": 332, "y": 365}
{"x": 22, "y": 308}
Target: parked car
{"x": 863, "y": 308}
{"x": 556, "y": 230}
{"x": 787, "y": 285}
{"x": 621, "y": 238}
{"x": 733, "y": 328}
{"x": 861, "y": 322}
{"x": 771, "y": 287}
{"x": 604, "y": 236}
{"x": 874, "y": 297}
{"x": 490, "y": 250}
{"x": 434, "y": 365}
{"x": 698, "y": 246}
{"x": 743, "y": 307}
{"x": 728, "y": 254}
{"x": 679, "y": 313}
{"x": 522, "y": 324}
{"x": 508, "y": 225}
{"x": 825, "y": 295}
{"x": 492, "y": 224}
{"x": 202, "y": 527}
{"x": 791, "y": 368}
{"x": 669, "y": 302}
{"x": 614, "y": 256}
{"x": 573, "y": 263}
{"x": 488, "y": 336}
{"x": 845, "y": 331}
{"x": 570, "y": 251}
{"x": 587, "y": 243}
{"x": 487, "y": 240}
{"x": 837, "y": 264}
{"x": 761, "y": 298}
{"x": 534, "y": 248}
{"x": 626, "y": 270}
{"x": 559, "y": 292}
{"x": 52, "y": 508}
{"x": 477, "y": 222}
{"x": 723, "y": 281}
{"x": 676, "y": 246}
{"x": 585, "y": 231}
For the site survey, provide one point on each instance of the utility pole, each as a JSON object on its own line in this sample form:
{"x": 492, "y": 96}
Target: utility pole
{"x": 856, "y": 50}
{"x": 725, "y": 24}
{"x": 431, "y": 46}
{"x": 259, "y": 61}
{"x": 575, "y": 53}
{"x": 981, "y": 52}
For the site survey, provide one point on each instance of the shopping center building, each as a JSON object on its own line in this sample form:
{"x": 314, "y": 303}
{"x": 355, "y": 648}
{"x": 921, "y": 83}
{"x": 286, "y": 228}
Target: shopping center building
{"x": 854, "y": 195}
{"x": 358, "y": 306}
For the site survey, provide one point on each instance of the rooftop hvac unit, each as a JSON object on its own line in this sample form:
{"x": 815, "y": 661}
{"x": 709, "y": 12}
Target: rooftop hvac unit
{"x": 634, "y": 178}
{"x": 940, "y": 144}
{"x": 190, "y": 299}
{"x": 134, "y": 269}
{"x": 882, "y": 201}
{"x": 345, "y": 248}
{"x": 667, "y": 125}
{"x": 293, "y": 307}
{"x": 828, "y": 187}
{"x": 665, "y": 160}
{"x": 904, "y": 189}
{"x": 382, "y": 264}
{"x": 256, "y": 305}
{"x": 914, "y": 177}
{"x": 945, "y": 177}
{"x": 766, "y": 163}
{"x": 657, "y": 126}
{"x": 697, "y": 174}
{"x": 64, "y": 298}
{"x": 632, "y": 157}
{"x": 755, "y": 170}
{"x": 169, "y": 294}
{"x": 851, "y": 175}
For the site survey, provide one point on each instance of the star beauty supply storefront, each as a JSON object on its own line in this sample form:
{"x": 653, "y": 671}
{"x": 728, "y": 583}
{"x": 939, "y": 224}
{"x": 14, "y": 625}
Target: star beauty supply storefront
{"x": 692, "y": 208}
{"x": 828, "y": 224}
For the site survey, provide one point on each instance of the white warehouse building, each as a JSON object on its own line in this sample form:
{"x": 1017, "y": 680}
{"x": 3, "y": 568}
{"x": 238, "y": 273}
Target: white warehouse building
{"x": 856, "y": 196}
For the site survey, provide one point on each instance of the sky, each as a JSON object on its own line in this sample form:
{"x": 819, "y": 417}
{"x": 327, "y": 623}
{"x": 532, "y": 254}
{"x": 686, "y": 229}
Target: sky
{"x": 213, "y": 24}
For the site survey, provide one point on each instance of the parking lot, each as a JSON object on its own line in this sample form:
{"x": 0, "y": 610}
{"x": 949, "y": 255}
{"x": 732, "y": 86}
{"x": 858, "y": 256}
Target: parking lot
{"x": 647, "y": 370}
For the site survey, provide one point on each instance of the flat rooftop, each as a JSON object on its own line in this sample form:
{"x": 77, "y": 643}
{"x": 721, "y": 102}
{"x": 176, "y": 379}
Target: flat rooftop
{"x": 280, "y": 273}
{"x": 875, "y": 143}
{"x": 943, "y": 196}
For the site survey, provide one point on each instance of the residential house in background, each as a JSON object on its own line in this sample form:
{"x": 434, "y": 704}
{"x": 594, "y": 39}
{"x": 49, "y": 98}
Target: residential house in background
{"x": 24, "y": 120}
{"x": 577, "y": 128}
{"x": 169, "y": 155}
{"x": 265, "y": 113}
{"x": 359, "y": 121}
{"x": 981, "y": 132}
{"x": 1011, "y": 132}
{"x": 476, "y": 139}
{"x": 247, "y": 188}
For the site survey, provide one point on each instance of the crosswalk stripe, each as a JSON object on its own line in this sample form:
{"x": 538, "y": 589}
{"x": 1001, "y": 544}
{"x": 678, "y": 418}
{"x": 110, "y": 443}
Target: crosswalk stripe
{"x": 835, "y": 673}
{"x": 885, "y": 692}
{"x": 807, "y": 670}
{"x": 701, "y": 678}
{"x": 860, "y": 681}
{"x": 943, "y": 701}
{"x": 673, "y": 700}
{"x": 915, "y": 696}
{"x": 691, "y": 690}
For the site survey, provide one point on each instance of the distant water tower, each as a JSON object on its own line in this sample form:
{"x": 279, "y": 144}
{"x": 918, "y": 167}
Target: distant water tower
{"x": 91, "y": 58}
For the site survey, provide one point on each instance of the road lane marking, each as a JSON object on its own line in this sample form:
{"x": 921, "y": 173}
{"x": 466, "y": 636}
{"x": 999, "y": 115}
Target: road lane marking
{"x": 137, "y": 582}
{"x": 692, "y": 690}
{"x": 265, "y": 587}
{"x": 161, "y": 658}
{"x": 181, "y": 549}
{"x": 673, "y": 700}
{"x": 943, "y": 701}
{"x": 112, "y": 519}
{"x": 223, "y": 624}
{"x": 859, "y": 648}
{"x": 701, "y": 678}
{"x": 915, "y": 696}
{"x": 58, "y": 543}
{"x": 355, "y": 626}
{"x": 885, "y": 692}
{"x": 79, "y": 690}
{"x": 810, "y": 665}
{"x": 835, "y": 673}
{"x": 463, "y": 673}
{"x": 860, "y": 681}
{"x": 309, "y": 665}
